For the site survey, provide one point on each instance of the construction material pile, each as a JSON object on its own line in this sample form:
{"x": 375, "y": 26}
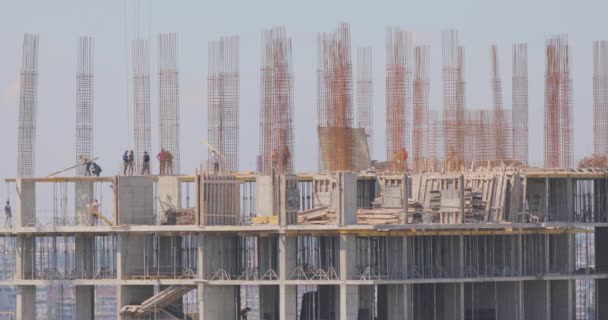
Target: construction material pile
{"x": 594, "y": 161}
{"x": 317, "y": 216}
{"x": 173, "y": 216}
{"x": 380, "y": 216}
{"x": 474, "y": 206}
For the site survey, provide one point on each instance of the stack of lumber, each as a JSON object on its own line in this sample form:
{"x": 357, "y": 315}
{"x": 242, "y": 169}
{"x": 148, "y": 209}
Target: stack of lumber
{"x": 317, "y": 216}
{"x": 379, "y": 216}
{"x": 265, "y": 220}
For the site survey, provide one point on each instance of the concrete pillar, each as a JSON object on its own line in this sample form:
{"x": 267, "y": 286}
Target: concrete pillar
{"x": 269, "y": 303}
{"x": 84, "y": 198}
{"x": 537, "y": 299}
{"x": 287, "y": 256}
{"x": 83, "y": 256}
{"x": 288, "y": 302}
{"x": 24, "y": 261}
{"x": 450, "y": 301}
{"x": 349, "y": 302}
{"x": 348, "y": 258}
{"x": 347, "y": 204}
{"x": 135, "y": 200}
{"x": 217, "y": 302}
{"x": 85, "y": 302}
{"x": 26, "y": 204}
{"x": 509, "y": 305}
{"x": 170, "y": 258}
{"x": 26, "y": 303}
{"x": 169, "y": 195}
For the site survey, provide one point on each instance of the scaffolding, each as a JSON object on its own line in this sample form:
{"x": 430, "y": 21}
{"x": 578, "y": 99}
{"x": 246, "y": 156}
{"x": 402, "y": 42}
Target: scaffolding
{"x": 420, "y": 113}
{"x": 519, "y": 102}
{"x": 223, "y": 95}
{"x": 84, "y": 101}
{"x": 365, "y": 95}
{"x": 168, "y": 105}
{"x": 600, "y": 96}
{"x": 276, "y": 102}
{"x": 141, "y": 100}
{"x": 334, "y": 100}
{"x": 28, "y": 101}
{"x": 558, "y": 104}
{"x": 398, "y": 92}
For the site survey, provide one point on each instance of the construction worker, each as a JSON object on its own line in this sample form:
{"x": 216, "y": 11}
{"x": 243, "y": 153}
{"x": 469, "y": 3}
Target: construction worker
{"x": 8, "y": 213}
{"x": 146, "y": 165}
{"x": 273, "y": 159}
{"x": 131, "y": 159}
{"x": 94, "y": 212}
{"x": 125, "y": 162}
{"x": 244, "y": 313}
{"x": 95, "y": 169}
{"x": 404, "y": 157}
{"x": 87, "y": 165}
{"x": 161, "y": 156}
{"x": 215, "y": 161}
{"x": 285, "y": 156}
{"x": 168, "y": 163}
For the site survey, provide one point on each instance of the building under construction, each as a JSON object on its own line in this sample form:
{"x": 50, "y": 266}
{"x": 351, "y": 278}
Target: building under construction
{"x": 467, "y": 232}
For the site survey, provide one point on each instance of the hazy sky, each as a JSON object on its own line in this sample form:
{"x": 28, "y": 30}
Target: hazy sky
{"x": 59, "y": 23}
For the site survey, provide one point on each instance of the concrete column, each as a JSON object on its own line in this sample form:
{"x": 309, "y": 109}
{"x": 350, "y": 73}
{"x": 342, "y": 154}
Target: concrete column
{"x": 23, "y": 257}
{"x": 26, "y": 203}
{"x": 169, "y": 195}
{"x": 347, "y": 204}
{"x": 287, "y": 256}
{"x": 349, "y": 302}
{"x": 537, "y": 298}
{"x": 85, "y": 302}
{"x": 26, "y": 303}
{"x": 265, "y": 196}
{"x": 288, "y": 302}
{"x": 84, "y": 198}
{"x": 84, "y": 253}
{"x": 120, "y": 263}
{"x": 450, "y": 305}
{"x": 217, "y": 302}
{"x": 601, "y": 250}
{"x": 348, "y": 258}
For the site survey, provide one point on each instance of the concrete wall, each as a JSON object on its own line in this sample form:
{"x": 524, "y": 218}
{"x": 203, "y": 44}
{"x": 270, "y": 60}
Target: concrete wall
{"x": 562, "y": 300}
{"x": 136, "y": 200}
{"x": 25, "y": 210}
{"x": 536, "y": 300}
{"x": 83, "y": 199}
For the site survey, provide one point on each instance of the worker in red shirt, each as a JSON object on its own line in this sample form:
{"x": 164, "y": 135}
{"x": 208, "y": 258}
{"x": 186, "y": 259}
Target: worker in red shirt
{"x": 404, "y": 157}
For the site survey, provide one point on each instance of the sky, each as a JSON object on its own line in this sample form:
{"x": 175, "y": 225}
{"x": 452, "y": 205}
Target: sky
{"x": 114, "y": 23}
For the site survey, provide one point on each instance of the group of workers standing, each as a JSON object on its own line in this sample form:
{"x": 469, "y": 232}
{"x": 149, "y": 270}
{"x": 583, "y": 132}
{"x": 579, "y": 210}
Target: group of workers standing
{"x": 165, "y": 159}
